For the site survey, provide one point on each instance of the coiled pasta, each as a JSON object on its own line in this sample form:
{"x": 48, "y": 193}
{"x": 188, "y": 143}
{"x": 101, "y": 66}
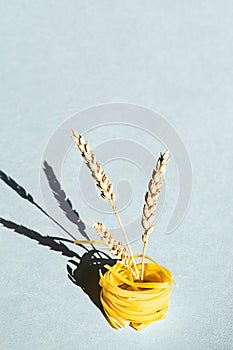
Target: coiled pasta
{"x": 136, "y": 303}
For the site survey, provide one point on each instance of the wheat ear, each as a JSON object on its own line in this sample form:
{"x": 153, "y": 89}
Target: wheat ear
{"x": 103, "y": 183}
{"x": 151, "y": 199}
{"x": 116, "y": 248}
{"x": 98, "y": 173}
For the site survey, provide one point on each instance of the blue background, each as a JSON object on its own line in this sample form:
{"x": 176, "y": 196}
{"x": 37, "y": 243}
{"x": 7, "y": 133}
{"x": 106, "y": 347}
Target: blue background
{"x": 59, "y": 57}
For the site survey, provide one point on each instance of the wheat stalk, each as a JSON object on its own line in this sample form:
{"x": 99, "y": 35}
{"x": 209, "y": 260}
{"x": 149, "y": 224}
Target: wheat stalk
{"x": 76, "y": 241}
{"x": 116, "y": 248}
{"x": 98, "y": 173}
{"x": 151, "y": 199}
{"x": 103, "y": 183}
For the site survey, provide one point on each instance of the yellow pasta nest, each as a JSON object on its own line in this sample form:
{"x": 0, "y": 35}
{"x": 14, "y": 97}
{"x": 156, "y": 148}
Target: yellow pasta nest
{"x": 137, "y": 303}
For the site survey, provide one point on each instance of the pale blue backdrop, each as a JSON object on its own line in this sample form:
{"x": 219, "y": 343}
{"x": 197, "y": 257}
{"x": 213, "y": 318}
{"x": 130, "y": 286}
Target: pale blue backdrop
{"x": 59, "y": 57}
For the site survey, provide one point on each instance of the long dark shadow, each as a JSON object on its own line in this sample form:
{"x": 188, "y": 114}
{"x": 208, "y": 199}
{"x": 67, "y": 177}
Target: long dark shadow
{"x": 64, "y": 202}
{"x": 83, "y": 270}
{"x": 43, "y": 240}
{"x": 27, "y": 196}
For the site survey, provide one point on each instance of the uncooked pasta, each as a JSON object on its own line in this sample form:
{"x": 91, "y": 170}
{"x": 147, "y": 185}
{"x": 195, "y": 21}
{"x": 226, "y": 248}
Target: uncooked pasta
{"x": 137, "y": 303}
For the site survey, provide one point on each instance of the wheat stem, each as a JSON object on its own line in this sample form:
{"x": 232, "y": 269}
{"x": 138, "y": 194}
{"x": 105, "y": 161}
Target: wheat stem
{"x": 103, "y": 183}
{"x": 143, "y": 258}
{"x": 126, "y": 239}
{"x": 151, "y": 198}
{"x": 88, "y": 242}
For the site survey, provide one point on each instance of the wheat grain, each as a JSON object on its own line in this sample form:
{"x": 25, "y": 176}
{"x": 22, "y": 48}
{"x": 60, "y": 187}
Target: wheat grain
{"x": 151, "y": 199}
{"x": 116, "y": 248}
{"x": 154, "y": 189}
{"x": 98, "y": 173}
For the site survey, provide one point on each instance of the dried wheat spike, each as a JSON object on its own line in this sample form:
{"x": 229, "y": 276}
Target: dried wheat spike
{"x": 98, "y": 173}
{"x": 154, "y": 189}
{"x": 103, "y": 184}
{"x": 116, "y": 248}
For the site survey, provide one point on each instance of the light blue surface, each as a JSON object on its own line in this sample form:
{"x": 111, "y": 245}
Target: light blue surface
{"x": 59, "y": 57}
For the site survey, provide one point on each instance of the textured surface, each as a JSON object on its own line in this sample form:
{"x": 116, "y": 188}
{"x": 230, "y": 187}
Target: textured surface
{"x": 59, "y": 57}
